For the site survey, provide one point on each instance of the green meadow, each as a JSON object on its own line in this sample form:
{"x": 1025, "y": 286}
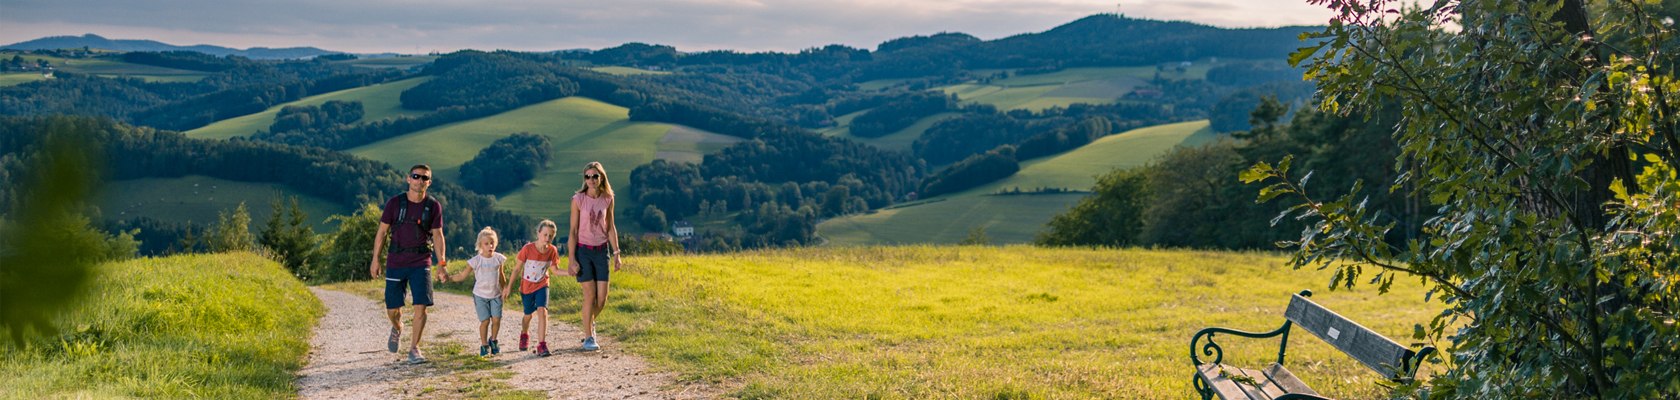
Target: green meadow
{"x": 617, "y": 70}
{"x": 1012, "y": 218}
{"x": 1061, "y": 88}
{"x": 199, "y": 199}
{"x": 199, "y": 326}
{"x": 581, "y": 129}
{"x": 114, "y": 68}
{"x": 976, "y": 322}
{"x": 18, "y": 78}
{"x": 900, "y": 140}
{"x": 389, "y": 62}
{"x": 379, "y": 102}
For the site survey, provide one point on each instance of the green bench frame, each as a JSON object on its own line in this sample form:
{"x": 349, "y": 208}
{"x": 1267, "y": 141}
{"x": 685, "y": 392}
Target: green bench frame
{"x": 1379, "y": 353}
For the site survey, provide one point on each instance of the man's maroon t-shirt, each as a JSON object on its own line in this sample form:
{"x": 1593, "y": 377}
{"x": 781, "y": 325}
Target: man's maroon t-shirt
{"x": 404, "y": 234}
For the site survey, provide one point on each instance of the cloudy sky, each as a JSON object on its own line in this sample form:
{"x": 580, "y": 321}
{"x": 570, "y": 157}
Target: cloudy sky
{"x": 419, "y": 26}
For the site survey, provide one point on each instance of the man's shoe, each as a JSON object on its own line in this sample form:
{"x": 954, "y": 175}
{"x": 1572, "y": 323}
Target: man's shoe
{"x": 391, "y": 342}
{"x": 414, "y": 357}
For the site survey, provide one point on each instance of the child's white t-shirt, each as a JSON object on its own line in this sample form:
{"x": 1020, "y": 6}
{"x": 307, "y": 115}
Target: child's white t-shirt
{"x": 487, "y": 275}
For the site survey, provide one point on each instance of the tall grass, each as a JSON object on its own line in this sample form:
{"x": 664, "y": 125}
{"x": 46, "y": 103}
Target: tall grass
{"x": 219, "y": 326}
{"x": 975, "y": 322}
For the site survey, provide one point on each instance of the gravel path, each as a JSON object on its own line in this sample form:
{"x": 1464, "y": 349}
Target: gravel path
{"x": 347, "y": 359}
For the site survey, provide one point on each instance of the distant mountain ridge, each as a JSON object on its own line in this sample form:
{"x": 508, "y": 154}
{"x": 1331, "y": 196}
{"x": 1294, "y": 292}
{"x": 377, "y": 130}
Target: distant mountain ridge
{"x": 99, "y": 42}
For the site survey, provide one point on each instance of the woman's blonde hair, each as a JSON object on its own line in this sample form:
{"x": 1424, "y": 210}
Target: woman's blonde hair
{"x": 487, "y": 233}
{"x": 604, "y": 185}
{"x": 547, "y": 224}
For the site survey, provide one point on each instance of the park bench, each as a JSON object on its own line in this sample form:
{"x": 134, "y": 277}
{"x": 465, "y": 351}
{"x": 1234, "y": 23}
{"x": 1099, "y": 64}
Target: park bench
{"x": 1389, "y": 358}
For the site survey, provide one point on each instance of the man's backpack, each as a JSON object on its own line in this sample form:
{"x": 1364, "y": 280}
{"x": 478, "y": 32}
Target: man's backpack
{"x": 423, "y": 223}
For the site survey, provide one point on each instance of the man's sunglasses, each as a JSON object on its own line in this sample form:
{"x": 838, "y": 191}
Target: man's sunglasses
{"x": 419, "y": 177}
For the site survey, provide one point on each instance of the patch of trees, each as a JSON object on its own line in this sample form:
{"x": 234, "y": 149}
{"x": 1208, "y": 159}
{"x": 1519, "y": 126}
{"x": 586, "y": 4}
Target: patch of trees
{"x": 975, "y": 170}
{"x": 1233, "y": 112}
{"x": 1244, "y": 74}
{"x": 507, "y": 163}
{"x": 477, "y": 79}
{"x": 780, "y": 185}
{"x": 78, "y": 94}
{"x": 189, "y": 60}
{"x": 316, "y": 118}
{"x": 900, "y": 113}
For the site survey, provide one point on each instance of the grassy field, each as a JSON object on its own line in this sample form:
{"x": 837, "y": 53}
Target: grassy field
{"x": 900, "y": 140}
{"x": 199, "y": 198}
{"x": 211, "y": 326}
{"x": 1016, "y": 218}
{"x": 389, "y": 62}
{"x": 1074, "y": 85}
{"x": 378, "y": 102}
{"x": 1007, "y": 219}
{"x": 114, "y": 68}
{"x": 18, "y": 78}
{"x": 581, "y": 129}
{"x": 973, "y": 322}
{"x": 616, "y": 70}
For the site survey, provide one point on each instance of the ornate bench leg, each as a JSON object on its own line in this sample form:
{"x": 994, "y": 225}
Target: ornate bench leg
{"x": 1201, "y": 385}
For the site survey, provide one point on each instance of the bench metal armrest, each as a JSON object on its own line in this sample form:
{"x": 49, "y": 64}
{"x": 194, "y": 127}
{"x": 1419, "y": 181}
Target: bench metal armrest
{"x": 1213, "y": 349}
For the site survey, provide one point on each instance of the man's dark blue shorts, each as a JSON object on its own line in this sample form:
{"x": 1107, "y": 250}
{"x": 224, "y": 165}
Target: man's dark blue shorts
{"x": 397, "y": 280}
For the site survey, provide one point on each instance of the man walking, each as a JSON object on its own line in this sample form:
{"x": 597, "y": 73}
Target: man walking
{"x": 417, "y": 238}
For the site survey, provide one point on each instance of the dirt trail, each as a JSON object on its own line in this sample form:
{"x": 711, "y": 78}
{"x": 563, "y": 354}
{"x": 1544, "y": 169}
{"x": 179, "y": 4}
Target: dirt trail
{"x": 348, "y": 359}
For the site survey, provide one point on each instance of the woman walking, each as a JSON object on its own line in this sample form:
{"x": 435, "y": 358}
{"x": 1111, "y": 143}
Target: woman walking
{"x": 592, "y": 242}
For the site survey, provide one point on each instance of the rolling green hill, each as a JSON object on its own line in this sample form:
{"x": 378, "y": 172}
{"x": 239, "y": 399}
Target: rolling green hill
{"x": 16, "y": 78}
{"x": 581, "y": 129}
{"x": 900, "y": 140}
{"x": 615, "y": 70}
{"x": 114, "y": 68}
{"x": 198, "y": 199}
{"x": 1012, "y": 218}
{"x": 389, "y": 62}
{"x": 378, "y": 102}
{"x": 1069, "y": 86}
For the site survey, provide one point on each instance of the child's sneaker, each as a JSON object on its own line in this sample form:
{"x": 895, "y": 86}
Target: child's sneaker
{"x": 391, "y": 342}
{"x": 589, "y": 344}
{"x": 484, "y": 351}
{"x": 414, "y": 357}
{"x": 495, "y": 349}
{"x": 542, "y": 349}
{"x": 523, "y": 339}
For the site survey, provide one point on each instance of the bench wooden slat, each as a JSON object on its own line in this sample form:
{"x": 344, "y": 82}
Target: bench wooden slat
{"x": 1283, "y": 378}
{"x": 1272, "y": 382}
{"x": 1377, "y": 352}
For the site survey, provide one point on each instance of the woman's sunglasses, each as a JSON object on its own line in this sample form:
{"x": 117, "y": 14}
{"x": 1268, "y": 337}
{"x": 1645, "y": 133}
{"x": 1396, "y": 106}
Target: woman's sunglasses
{"x": 591, "y": 176}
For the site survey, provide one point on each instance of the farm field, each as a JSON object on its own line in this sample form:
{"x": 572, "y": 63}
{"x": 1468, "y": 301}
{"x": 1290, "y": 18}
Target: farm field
{"x": 379, "y": 101}
{"x": 1012, "y": 218}
{"x": 899, "y": 141}
{"x": 581, "y": 130}
{"x": 114, "y": 68}
{"x": 1073, "y": 85}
